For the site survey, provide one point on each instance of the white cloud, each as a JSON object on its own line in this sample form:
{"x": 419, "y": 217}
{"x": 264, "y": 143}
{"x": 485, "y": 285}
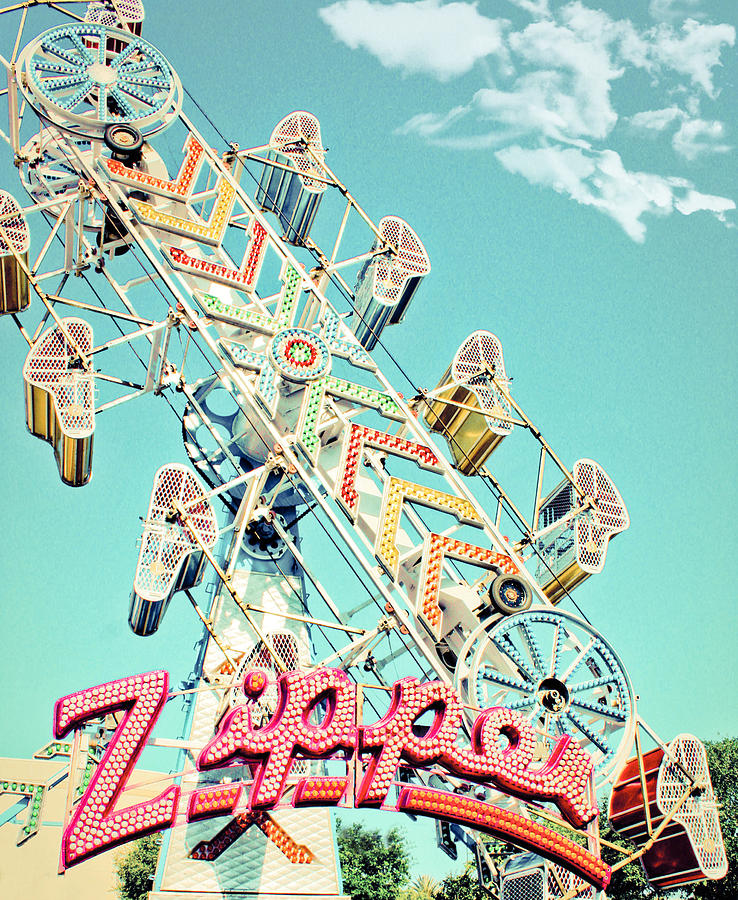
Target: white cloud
{"x": 549, "y": 110}
{"x": 427, "y": 36}
{"x": 674, "y": 10}
{"x": 697, "y": 137}
{"x": 573, "y": 77}
{"x": 537, "y": 8}
{"x": 656, "y": 119}
{"x": 695, "y": 53}
{"x": 693, "y": 201}
{"x": 430, "y": 125}
{"x": 599, "y": 179}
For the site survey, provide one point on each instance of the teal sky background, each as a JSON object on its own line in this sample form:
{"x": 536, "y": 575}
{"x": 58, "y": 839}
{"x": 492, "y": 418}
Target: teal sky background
{"x": 572, "y": 174}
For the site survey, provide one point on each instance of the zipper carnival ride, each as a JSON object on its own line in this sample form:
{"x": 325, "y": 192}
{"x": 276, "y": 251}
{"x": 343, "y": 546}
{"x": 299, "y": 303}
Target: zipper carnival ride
{"x": 508, "y": 716}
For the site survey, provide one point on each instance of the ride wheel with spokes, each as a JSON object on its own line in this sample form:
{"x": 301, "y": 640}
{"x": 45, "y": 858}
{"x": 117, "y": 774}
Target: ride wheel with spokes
{"x": 72, "y": 79}
{"x": 558, "y": 673}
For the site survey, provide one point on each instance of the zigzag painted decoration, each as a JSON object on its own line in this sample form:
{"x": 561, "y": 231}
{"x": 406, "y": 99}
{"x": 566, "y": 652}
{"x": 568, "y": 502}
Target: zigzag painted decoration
{"x": 250, "y": 318}
{"x": 396, "y": 491}
{"x": 179, "y": 189}
{"x": 435, "y": 548}
{"x": 243, "y": 279}
{"x": 357, "y": 439}
{"x": 212, "y": 849}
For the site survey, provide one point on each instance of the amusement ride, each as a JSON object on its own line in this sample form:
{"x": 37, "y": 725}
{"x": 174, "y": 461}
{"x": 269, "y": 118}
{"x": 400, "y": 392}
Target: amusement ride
{"x": 385, "y": 628}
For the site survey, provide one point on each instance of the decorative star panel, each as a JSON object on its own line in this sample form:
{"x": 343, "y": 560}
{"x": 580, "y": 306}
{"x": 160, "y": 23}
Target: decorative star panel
{"x": 250, "y": 318}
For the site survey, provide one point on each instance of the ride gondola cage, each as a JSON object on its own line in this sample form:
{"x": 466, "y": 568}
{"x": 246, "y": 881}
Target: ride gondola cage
{"x": 124, "y": 14}
{"x": 60, "y": 397}
{"x": 665, "y": 798}
{"x": 576, "y": 526}
{"x": 294, "y": 187}
{"x": 171, "y": 558}
{"x": 467, "y": 407}
{"x": 15, "y": 295}
{"x": 387, "y": 282}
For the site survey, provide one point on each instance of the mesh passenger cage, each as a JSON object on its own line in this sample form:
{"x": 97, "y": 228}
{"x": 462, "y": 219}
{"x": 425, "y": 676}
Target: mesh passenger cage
{"x": 392, "y": 272}
{"x": 584, "y": 537}
{"x": 15, "y": 240}
{"x": 291, "y": 137}
{"x": 51, "y": 367}
{"x": 698, "y": 815}
{"x": 529, "y": 877}
{"x": 166, "y": 545}
{"x": 387, "y": 282}
{"x": 128, "y": 11}
{"x": 476, "y": 360}
{"x": 14, "y": 226}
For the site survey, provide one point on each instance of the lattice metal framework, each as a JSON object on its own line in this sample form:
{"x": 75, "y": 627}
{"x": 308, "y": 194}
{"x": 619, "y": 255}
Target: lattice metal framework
{"x": 328, "y": 432}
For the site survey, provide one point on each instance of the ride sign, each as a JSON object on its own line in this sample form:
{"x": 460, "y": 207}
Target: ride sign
{"x": 316, "y": 717}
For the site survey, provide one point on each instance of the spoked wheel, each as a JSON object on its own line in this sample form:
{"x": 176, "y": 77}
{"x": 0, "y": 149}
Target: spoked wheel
{"x": 559, "y": 674}
{"x": 72, "y": 80}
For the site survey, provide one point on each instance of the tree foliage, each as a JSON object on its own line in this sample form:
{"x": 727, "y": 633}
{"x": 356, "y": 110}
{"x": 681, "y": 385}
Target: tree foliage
{"x": 135, "y": 868}
{"x": 630, "y": 882}
{"x": 460, "y": 887}
{"x": 373, "y": 867}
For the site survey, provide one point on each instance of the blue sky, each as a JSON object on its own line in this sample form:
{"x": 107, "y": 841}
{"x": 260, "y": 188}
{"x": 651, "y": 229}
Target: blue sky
{"x": 572, "y": 174}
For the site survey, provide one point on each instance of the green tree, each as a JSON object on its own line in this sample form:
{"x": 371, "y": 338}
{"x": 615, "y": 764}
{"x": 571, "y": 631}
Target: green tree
{"x": 423, "y": 888}
{"x": 630, "y": 882}
{"x": 461, "y": 887}
{"x": 373, "y": 867}
{"x": 135, "y": 868}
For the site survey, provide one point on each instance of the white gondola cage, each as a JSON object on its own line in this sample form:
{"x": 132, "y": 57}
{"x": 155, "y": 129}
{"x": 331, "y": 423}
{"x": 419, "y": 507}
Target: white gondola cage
{"x": 576, "y": 548}
{"x": 60, "y": 397}
{"x": 388, "y": 281}
{"x": 170, "y": 558}
{"x": 129, "y": 13}
{"x": 15, "y": 240}
{"x": 125, "y": 14}
{"x": 468, "y": 407}
{"x": 294, "y": 196}
{"x": 690, "y": 847}
{"x": 528, "y": 877}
